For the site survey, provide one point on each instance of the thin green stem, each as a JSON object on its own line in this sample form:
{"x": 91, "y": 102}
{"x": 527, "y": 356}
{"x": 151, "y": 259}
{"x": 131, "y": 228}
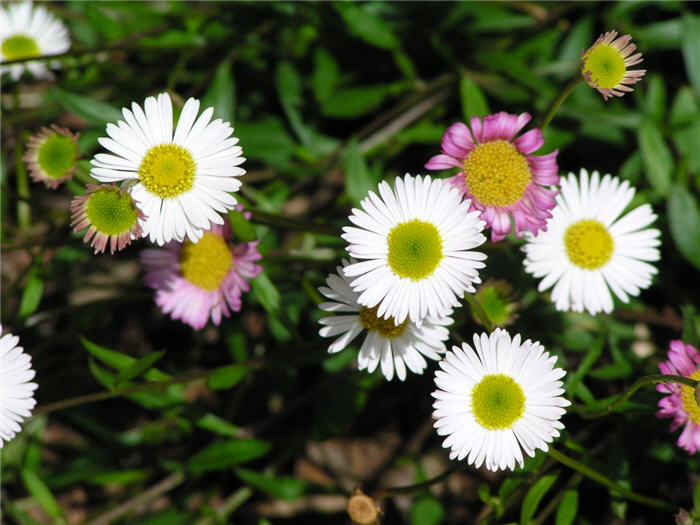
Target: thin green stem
{"x": 289, "y": 223}
{"x": 479, "y": 312}
{"x": 409, "y": 489}
{"x": 604, "y": 480}
{"x": 561, "y": 97}
{"x": 23, "y": 209}
{"x": 639, "y": 383}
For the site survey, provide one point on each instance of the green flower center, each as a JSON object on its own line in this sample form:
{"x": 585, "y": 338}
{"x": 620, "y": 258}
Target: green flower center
{"x": 496, "y": 173}
{"x": 606, "y": 66}
{"x": 57, "y": 155}
{"x": 19, "y": 46}
{"x": 386, "y": 327}
{"x": 111, "y": 212}
{"x": 497, "y": 402}
{"x": 588, "y": 244}
{"x": 167, "y": 170}
{"x": 415, "y": 249}
{"x": 690, "y": 405}
{"x": 206, "y": 262}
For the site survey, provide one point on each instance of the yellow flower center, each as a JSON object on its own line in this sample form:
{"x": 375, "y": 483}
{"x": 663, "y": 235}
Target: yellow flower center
{"x": 386, "y": 327}
{"x": 19, "y": 46}
{"x": 415, "y": 249}
{"x": 167, "y": 170}
{"x": 606, "y": 66}
{"x": 497, "y": 402}
{"x": 588, "y": 244}
{"x": 57, "y": 155}
{"x": 690, "y": 405}
{"x": 207, "y": 262}
{"x": 497, "y": 174}
{"x": 111, "y": 212}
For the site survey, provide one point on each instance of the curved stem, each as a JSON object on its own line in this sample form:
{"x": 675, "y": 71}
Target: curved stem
{"x": 408, "y": 489}
{"x": 289, "y": 223}
{"x": 639, "y": 383}
{"x": 604, "y": 480}
{"x": 557, "y": 101}
{"x": 479, "y": 312}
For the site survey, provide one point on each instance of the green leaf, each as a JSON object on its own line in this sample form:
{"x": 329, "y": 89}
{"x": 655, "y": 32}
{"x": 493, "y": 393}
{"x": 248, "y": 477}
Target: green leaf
{"x": 473, "y": 100}
{"x": 696, "y": 496}
{"x": 214, "y": 423}
{"x": 325, "y": 76}
{"x": 577, "y": 38}
{"x": 31, "y": 294}
{"x": 690, "y": 46}
{"x": 221, "y": 94}
{"x": 358, "y": 180}
{"x": 684, "y": 222}
{"x": 427, "y": 511}
{"x": 266, "y": 140}
{"x": 41, "y": 493}
{"x": 92, "y": 110}
{"x": 367, "y": 26}
{"x": 690, "y": 325}
{"x": 568, "y": 506}
{"x": 242, "y": 228}
{"x": 283, "y": 487}
{"x": 138, "y": 367}
{"x": 289, "y": 89}
{"x": 105, "y": 378}
{"x": 657, "y": 158}
{"x": 356, "y": 101}
{"x": 167, "y": 517}
{"x": 266, "y": 292}
{"x": 534, "y": 496}
{"x": 655, "y": 101}
{"x": 226, "y": 377}
{"x": 109, "y": 357}
{"x": 224, "y": 454}
{"x": 684, "y": 107}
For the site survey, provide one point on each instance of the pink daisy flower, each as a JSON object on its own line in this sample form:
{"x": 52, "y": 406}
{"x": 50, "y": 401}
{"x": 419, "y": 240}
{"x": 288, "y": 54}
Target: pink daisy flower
{"x": 499, "y": 173}
{"x": 196, "y": 281}
{"x": 680, "y": 404}
{"x": 605, "y": 64}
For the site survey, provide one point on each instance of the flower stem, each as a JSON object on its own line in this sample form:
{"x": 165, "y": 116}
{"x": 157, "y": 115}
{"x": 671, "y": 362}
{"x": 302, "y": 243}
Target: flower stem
{"x": 558, "y": 101}
{"x": 604, "y": 480}
{"x": 409, "y": 489}
{"x": 479, "y": 312}
{"x": 23, "y": 209}
{"x": 639, "y": 383}
{"x": 289, "y": 223}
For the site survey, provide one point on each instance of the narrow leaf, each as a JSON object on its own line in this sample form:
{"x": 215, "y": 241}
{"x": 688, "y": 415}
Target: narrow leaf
{"x": 367, "y": 26}
{"x": 568, "y": 506}
{"x": 92, "y": 110}
{"x": 534, "y": 496}
{"x": 224, "y": 454}
{"x": 358, "y": 180}
{"x": 242, "y": 227}
{"x": 221, "y": 93}
{"x": 283, "y": 487}
{"x": 226, "y": 376}
{"x": 266, "y": 292}
{"x": 657, "y": 158}
{"x": 473, "y": 100}
{"x": 138, "y": 368}
{"x": 41, "y": 493}
{"x": 690, "y": 46}
{"x": 684, "y": 223}
{"x": 31, "y": 295}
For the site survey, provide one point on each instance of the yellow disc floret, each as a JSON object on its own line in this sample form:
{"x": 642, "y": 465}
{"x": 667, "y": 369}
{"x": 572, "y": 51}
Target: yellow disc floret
{"x": 167, "y": 170}
{"x": 496, "y": 173}
{"x": 57, "y": 155}
{"x": 690, "y": 405}
{"x": 605, "y": 65}
{"x": 207, "y": 262}
{"x": 19, "y": 46}
{"x": 588, "y": 244}
{"x": 111, "y": 211}
{"x": 497, "y": 402}
{"x": 386, "y": 327}
{"x": 415, "y": 249}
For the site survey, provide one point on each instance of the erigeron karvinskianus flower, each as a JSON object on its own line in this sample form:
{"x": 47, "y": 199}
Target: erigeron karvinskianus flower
{"x": 498, "y": 399}
{"x": 16, "y": 389}
{"x": 413, "y": 247}
{"x": 391, "y": 346}
{"x": 195, "y": 281}
{"x": 27, "y": 31}
{"x": 181, "y": 177}
{"x": 589, "y": 249}
{"x": 52, "y": 155}
{"x": 681, "y": 403}
{"x": 605, "y": 64}
{"x": 110, "y": 216}
{"x": 499, "y": 173}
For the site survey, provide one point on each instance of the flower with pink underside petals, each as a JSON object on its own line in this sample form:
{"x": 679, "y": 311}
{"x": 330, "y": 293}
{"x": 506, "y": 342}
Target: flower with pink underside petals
{"x": 680, "y": 403}
{"x": 499, "y": 173}
{"x": 196, "y": 281}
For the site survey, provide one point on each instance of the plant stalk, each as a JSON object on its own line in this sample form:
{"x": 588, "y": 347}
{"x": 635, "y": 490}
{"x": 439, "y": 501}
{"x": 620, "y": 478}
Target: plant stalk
{"x": 561, "y": 97}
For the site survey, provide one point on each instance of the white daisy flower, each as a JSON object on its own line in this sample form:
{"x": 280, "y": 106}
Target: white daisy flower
{"x": 497, "y": 399}
{"x": 588, "y": 249}
{"x": 393, "y": 346}
{"x": 16, "y": 392}
{"x": 181, "y": 181}
{"x": 413, "y": 244}
{"x": 27, "y": 31}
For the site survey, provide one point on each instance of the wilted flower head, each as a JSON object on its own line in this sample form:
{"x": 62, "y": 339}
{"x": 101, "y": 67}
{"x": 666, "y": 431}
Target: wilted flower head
{"x": 110, "y": 216}
{"x": 605, "y": 65}
{"x": 52, "y": 155}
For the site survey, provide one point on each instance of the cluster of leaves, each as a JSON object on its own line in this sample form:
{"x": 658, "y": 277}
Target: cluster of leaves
{"x": 328, "y": 99}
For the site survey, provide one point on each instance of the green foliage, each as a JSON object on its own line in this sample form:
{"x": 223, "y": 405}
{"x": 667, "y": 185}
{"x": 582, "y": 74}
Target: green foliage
{"x": 225, "y": 454}
{"x": 283, "y": 487}
{"x": 534, "y": 496}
